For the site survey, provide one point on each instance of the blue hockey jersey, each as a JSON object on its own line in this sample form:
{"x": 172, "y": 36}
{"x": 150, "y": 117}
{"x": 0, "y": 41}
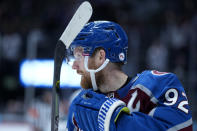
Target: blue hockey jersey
{"x": 157, "y": 102}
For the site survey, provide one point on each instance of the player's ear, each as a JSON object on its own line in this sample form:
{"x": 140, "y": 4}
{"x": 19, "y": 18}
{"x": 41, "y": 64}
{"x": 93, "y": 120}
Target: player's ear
{"x": 99, "y": 57}
{"x": 102, "y": 55}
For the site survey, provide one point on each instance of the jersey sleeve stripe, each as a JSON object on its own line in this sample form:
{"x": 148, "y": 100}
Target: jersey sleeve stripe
{"x": 147, "y": 91}
{"x": 181, "y": 125}
{"x": 151, "y": 113}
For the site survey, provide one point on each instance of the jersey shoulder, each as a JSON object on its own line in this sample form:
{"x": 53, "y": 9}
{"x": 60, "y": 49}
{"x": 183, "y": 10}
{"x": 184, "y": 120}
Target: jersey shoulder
{"x": 164, "y": 78}
{"x": 167, "y": 96}
{"x": 157, "y": 82}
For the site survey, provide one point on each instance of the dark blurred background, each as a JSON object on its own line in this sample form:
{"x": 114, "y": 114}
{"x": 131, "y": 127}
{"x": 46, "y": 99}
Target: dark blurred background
{"x": 162, "y": 36}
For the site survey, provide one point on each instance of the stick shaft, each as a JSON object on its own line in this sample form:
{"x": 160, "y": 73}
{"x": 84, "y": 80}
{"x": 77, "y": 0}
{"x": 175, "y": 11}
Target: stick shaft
{"x": 58, "y": 59}
{"x": 80, "y": 18}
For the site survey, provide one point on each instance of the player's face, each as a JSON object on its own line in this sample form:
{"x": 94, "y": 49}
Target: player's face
{"x": 78, "y": 65}
{"x": 93, "y": 63}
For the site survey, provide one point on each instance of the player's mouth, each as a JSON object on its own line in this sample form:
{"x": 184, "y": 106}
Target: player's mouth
{"x": 80, "y": 72}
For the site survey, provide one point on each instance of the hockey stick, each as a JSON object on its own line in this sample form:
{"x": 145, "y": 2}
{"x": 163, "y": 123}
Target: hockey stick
{"x": 80, "y": 18}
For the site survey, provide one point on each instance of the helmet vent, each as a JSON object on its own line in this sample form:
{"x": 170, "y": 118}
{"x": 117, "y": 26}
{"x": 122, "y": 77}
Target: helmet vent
{"x": 82, "y": 38}
{"x": 84, "y": 34}
{"x": 109, "y": 28}
{"x": 117, "y": 35}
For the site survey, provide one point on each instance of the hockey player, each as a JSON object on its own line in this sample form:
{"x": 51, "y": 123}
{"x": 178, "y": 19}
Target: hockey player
{"x": 111, "y": 100}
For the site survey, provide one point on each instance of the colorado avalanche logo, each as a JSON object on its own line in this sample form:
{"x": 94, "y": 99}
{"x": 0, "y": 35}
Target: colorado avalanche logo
{"x": 155, "y": 72}
{"x": 121, "y": 56}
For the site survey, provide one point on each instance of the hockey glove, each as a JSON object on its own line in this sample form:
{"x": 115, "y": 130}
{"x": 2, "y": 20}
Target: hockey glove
{"x": 96, "y": 112}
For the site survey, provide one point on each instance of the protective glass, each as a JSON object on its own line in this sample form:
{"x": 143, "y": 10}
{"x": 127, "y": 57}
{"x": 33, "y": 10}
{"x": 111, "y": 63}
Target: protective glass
{"x": 74, "y": 54}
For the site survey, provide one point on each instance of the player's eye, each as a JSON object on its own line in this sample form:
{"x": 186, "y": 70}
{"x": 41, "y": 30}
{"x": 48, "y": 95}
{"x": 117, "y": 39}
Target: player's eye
{"x": 78, "y": 56}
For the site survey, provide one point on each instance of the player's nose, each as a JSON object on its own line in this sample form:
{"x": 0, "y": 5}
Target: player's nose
{"x": 75, "y": 65}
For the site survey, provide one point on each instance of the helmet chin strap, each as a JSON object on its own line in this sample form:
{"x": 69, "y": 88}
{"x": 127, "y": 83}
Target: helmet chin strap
{"x": 92, "y": 72}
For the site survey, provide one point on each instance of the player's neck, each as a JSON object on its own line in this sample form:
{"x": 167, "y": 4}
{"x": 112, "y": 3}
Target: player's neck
{"x": 113, "y": 81}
